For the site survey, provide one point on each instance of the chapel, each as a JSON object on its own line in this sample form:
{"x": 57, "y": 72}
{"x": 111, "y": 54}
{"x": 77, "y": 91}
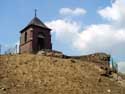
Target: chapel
{"x": 35, "y": 36}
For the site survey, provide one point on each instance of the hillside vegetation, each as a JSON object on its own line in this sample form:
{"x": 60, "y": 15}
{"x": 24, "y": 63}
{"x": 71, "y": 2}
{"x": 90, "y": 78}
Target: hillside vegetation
{"x": 37, "y": 74}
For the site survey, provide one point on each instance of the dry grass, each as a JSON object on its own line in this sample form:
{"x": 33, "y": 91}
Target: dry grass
{"x": 35, "y": 74}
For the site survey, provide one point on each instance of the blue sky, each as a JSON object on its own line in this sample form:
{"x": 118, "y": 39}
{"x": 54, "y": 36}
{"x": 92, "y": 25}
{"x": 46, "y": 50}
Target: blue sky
{"x": 16, "y": 14}
{"x": 79, "y": 26}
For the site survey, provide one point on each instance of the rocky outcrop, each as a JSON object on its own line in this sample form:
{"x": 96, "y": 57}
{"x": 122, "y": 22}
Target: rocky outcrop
{"x": 101, "y": 59}
{"x": 52, "y": 53}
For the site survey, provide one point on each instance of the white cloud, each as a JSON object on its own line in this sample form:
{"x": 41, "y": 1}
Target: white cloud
{"x": 72, "y": 12}
{"x": 115, "y": 13}
{"x": 107, "y": 37}
{"x": 121, "y": 67}
{"x": 65, "y": 31}
{"x": 94, "y": 38}
{"x": 101, "y": 38}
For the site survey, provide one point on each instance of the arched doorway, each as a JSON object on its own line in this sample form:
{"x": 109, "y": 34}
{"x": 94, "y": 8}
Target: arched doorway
{"x": 40, "y": 42}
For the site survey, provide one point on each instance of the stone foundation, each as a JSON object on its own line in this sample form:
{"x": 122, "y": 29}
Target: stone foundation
{"x": 101, "y": 59}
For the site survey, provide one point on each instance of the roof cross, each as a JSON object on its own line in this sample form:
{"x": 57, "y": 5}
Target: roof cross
{"x": 35, "y": 12}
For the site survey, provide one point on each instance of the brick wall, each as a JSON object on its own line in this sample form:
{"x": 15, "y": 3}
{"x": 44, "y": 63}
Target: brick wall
{"x": 30, "y": 45}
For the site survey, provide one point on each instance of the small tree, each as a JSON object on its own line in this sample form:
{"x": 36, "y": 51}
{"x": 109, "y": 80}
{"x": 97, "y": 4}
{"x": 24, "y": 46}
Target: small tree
{"x": 0, "y": 52}
{"x": 114, "y": 66}
{"x": 0, "y": 48}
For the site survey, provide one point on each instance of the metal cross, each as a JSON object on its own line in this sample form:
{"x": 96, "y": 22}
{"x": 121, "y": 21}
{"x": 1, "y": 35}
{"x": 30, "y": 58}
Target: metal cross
{"x": 35, "y": 12}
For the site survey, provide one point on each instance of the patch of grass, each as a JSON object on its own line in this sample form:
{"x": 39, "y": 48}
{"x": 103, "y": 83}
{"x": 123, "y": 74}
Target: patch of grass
{"x": 36, "y": 74}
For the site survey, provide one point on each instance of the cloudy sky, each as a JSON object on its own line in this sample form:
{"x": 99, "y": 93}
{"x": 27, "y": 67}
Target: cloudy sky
{"x": 79, "y": 27}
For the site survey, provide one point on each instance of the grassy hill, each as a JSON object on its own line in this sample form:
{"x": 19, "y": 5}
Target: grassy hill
{"x": 37, "y": 74}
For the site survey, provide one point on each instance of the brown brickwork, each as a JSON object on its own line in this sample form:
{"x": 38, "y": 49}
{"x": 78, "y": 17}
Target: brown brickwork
{"x": 36, "y": 36}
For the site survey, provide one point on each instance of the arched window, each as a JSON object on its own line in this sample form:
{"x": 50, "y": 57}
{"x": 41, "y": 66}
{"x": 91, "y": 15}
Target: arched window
{"x": 25, "y": 37}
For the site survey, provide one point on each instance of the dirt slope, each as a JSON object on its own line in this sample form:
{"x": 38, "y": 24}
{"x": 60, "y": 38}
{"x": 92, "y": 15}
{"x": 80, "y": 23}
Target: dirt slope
{"x": 36, "y": 74}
